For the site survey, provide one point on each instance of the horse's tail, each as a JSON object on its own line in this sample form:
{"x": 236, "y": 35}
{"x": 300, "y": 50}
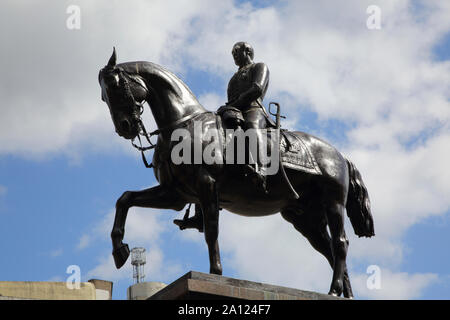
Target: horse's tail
{"x": 358, "y": 204}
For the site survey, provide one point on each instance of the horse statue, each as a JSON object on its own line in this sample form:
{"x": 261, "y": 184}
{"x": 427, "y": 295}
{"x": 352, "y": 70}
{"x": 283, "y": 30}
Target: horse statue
{"x": 325, "y": 195}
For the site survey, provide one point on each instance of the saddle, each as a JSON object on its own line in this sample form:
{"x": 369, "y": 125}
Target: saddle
{"x": 233, "y": 117}
{"x": 294, "y": 152}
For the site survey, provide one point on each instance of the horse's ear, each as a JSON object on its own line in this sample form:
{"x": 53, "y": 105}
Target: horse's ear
{"x": 112, "y": 60}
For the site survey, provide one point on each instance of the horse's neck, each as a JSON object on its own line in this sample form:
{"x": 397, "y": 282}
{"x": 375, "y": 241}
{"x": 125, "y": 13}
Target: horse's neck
{"x": 169, "y": 98}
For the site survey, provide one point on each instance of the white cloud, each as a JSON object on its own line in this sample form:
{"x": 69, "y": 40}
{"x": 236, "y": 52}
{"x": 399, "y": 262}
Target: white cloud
{"x": 56, "y": 253}
{"x": 212, "y": 101}
{"x": 144, "y": 228}
{"x": 84, "y": 242}
{"x": 270, "y": 250}
{"x": 408, "y": 185}
{"x": 155, "y": 269}
{"x": 51, "y": 97}
{"x": 394, "y": 285}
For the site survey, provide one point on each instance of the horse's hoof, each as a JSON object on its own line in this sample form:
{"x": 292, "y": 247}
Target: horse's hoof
{"x": 336, "y": 289}
{"x": 121, "y": 255}
{"x": 334, "y": 293}
{"x": 216, "y": 270}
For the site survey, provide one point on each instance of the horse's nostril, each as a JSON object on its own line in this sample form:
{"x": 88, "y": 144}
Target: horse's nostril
{"x": 125, "y": 125}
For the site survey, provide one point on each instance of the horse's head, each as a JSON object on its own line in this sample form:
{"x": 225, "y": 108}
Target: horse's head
{"x": 124, "y": 98}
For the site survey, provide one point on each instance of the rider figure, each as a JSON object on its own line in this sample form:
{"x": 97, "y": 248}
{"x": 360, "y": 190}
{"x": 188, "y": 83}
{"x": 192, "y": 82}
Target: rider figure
{"x": 246, "y": 90}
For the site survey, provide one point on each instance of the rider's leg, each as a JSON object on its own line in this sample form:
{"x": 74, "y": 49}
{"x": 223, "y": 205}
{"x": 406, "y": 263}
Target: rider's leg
{"x": 255, "y": 120}
{"x": 195, "y": 222}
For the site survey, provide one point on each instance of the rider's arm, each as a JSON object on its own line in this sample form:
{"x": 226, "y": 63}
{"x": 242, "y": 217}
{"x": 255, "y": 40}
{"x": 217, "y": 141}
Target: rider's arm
{"x": 260, "y": 75}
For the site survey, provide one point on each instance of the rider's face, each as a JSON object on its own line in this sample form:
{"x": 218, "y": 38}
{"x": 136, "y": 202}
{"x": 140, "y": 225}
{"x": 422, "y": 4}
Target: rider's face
{"x": 240, "y": 55}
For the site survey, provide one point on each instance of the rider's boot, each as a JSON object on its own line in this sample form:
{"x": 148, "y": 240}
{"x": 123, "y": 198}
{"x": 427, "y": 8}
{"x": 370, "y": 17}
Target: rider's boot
{"x": 195, "y": 222}
{"x": 259, "y": 179}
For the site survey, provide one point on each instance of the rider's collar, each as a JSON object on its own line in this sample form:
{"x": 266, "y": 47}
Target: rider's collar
{"x": 245, "y": 67}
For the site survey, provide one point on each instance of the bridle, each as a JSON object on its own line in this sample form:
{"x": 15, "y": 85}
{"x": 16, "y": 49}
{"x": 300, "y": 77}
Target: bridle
{"x": 139, "y": 110}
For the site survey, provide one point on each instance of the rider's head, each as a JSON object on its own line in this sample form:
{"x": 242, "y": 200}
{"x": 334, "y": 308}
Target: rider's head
{"x": 242, "y": 54}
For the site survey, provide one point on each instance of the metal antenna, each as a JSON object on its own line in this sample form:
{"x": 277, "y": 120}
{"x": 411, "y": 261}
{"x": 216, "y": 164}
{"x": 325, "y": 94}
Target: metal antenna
{"x": 138, "y": 261}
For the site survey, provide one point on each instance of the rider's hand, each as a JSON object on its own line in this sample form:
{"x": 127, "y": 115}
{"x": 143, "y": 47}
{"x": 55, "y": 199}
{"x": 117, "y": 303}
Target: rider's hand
{"x": 221, "y": 108}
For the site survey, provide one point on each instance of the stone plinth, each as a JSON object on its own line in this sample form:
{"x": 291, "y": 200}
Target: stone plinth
{"x": 144, "y": 290}
{"x": 46, "y": 290}
{"x": 42, "y": 290}
{"x": 196, "y": 285}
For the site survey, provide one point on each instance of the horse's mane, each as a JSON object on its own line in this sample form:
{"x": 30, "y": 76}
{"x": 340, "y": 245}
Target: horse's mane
{"x": 151, "y": 71}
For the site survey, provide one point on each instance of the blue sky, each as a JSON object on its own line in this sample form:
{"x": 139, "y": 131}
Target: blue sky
{"x": 381, "y": 97}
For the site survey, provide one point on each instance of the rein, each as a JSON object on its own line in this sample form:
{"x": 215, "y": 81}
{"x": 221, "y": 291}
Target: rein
{"x": 157, "y": 132}
{"x": 140, "y": 147}
{"x": 143, "y": 131}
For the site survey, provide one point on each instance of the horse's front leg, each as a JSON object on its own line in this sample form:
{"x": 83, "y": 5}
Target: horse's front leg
{"x": 156, "y": 197}
{"x": 209, "y": 202}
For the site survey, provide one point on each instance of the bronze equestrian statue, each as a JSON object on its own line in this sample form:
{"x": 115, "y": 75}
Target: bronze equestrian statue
{"x": 328, "y": 184}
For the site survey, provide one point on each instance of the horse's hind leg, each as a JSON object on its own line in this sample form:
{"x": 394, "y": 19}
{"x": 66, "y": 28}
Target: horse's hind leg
{"x": 321, "y": 241}
{"x": 209, "y": 202}
{"x": 313, "y": 227}
{"x": 335, "y": 215}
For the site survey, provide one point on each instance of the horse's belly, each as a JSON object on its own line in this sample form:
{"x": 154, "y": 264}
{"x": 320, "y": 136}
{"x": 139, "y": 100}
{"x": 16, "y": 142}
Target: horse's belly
{"x": 239, "y": 195}
{"x": 252, "y": 208}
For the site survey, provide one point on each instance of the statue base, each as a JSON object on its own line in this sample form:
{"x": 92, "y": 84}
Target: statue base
{"x": 200, "y": 286}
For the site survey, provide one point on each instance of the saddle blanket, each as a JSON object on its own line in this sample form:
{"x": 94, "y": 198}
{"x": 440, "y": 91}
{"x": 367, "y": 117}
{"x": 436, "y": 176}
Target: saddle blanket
{"x": 296, "y": 155}
{"x": 294, "y": 152}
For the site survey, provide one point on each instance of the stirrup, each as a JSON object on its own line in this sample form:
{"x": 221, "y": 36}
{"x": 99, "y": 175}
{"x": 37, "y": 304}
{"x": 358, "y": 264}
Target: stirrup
{"x": 260, "y": 181}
